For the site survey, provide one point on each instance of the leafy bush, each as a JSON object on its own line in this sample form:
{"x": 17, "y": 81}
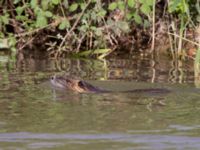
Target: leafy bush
{"x": 81, "y": 25}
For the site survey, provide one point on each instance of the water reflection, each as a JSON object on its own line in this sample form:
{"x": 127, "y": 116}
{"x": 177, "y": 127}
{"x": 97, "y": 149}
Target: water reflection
{"x": 137, "y": 69}
{"x": 33, "y": 116}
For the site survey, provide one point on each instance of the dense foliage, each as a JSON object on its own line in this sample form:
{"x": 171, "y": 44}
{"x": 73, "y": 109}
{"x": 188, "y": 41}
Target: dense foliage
{"x": 71, "y": 26}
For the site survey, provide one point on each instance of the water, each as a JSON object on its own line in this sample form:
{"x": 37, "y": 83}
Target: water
{"x": 35, "y": 116}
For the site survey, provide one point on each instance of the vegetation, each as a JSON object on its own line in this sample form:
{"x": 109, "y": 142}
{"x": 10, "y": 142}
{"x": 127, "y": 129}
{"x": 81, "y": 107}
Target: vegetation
{"x": 94, "y": 27}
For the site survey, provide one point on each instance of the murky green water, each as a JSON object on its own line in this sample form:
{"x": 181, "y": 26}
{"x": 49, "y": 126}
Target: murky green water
{"x": 34, "y": 116}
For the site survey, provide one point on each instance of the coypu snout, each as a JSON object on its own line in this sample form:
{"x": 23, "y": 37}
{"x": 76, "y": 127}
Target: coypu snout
{"x": 59, "y": 82}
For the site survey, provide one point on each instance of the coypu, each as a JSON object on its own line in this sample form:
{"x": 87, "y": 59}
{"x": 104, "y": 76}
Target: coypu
{"x": 73, "y": 84}
{"x": 80, "y": 86}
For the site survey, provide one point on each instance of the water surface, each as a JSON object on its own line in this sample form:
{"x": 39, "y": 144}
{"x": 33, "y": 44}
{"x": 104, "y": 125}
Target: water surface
{"x": 35, "y": 116}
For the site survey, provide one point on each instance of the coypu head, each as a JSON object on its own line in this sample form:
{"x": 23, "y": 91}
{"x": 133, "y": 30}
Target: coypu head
{"x": 69, "y": 83}
{"x": 60, "y": 82}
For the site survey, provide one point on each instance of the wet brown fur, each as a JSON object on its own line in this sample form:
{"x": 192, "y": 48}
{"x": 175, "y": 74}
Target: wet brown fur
{"x": 81, "y": 86}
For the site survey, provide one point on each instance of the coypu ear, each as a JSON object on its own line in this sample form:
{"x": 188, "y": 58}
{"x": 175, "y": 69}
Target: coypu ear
{"x": 86, "y": 86}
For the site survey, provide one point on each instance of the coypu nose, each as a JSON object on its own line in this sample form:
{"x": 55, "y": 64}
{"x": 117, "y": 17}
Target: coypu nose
{"x": 53, "y": 77}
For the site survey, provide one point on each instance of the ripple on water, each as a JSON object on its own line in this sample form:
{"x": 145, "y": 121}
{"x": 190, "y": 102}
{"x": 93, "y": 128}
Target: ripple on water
{"x": 143, "y": 141}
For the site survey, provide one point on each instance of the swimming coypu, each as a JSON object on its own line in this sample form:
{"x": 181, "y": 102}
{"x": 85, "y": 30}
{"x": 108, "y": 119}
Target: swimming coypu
{"x": 80, "y": 86}
{"x": 73, "y": 84}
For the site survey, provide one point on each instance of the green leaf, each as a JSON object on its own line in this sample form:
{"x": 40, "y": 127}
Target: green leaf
{"x": 82, "y": 5}
{"x": 146, "y": 23}
{"x": 101, "y": 13}
{"x": 19, "y": 10}
{"x": 97, "y": 51}
{"x": 93, "y": 15}
{"x": 124, "y": 26}
{"x": 145, "y": 9}
{"x": 64, "y": 24}
{"x": 137, "y": 19}
{"x": 5, "y": 19}
{"x": 65, "y": 4}
{"x": 129, "y": 16}
{"x": 149, "y": 2}
{"x": 37, "y": 10}
{"x": 45, "y": 4}
{"x": 16, "y": 1}
{"x": 73, "y": 7}
{"x": 83, "y": 28}
{"x": 22, "y": 18}
{"x": 48, "y": 14}
{"x": 55, "y": 2}
{"x": 34, "y": 3}
{"x": 98, "y": 32}
{"x": 12, "y": 41}
{"x": 121, "y": 5}
{"x": 131, "y": 3}
{"x": 112, "y": 6}
{"x": 142, "y": 1}
{"x": 101, "y": 51}
{"x": 93, "y": 28}
{"x": 173, "y": 5}
{"x": 41, "y": 21}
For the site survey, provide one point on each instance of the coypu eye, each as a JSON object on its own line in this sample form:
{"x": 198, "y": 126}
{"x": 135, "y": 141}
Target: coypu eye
{"x": 52, "y": 78}
{"x": 80, "y": 84}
